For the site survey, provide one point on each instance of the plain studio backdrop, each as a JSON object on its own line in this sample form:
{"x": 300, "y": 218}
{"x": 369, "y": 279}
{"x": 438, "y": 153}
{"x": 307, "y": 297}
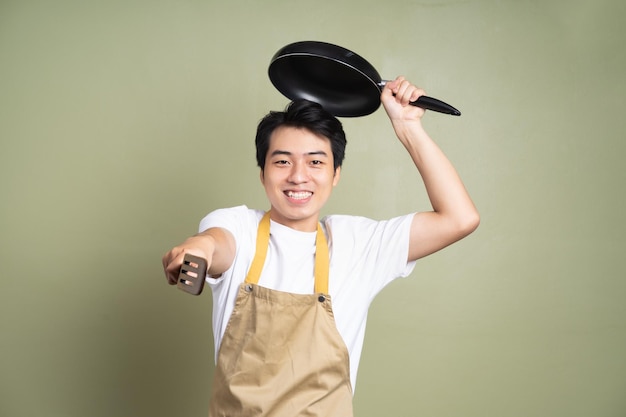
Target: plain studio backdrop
{"x": 122, "y": 123}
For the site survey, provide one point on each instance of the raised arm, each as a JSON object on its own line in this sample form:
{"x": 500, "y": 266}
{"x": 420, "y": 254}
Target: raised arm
{"x": 216, "y": 245}
{"x": 454, "y": 215}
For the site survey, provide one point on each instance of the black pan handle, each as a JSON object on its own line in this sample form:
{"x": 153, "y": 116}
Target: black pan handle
{"x": 430, "y": 103}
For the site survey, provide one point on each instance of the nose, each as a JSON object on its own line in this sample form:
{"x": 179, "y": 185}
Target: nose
{"x": 298, "y": 174}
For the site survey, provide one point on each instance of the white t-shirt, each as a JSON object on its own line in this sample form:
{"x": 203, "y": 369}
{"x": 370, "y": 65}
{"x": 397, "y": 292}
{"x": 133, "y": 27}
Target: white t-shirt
{"x": 365, "y": 255}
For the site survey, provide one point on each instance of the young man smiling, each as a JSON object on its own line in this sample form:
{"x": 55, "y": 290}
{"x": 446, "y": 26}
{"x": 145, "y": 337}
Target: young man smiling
{"x": 298, "y": 177}
{"x": 290, "y": 290}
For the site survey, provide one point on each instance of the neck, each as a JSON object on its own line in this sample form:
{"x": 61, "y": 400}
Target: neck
{"x": 301, "y": 225}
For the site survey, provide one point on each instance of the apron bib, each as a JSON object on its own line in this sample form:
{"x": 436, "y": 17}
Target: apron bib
{"x": 281, "y": 354}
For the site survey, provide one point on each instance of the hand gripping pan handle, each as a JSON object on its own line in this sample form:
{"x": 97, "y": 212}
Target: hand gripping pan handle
{"x": 430, "y": 103}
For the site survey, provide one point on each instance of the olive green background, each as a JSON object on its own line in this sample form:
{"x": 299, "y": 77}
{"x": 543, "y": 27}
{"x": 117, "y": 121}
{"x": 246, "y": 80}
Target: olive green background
{"x": 122, "y": 123}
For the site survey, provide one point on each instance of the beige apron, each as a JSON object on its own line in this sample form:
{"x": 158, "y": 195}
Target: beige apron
{"x": 281, "y": 354}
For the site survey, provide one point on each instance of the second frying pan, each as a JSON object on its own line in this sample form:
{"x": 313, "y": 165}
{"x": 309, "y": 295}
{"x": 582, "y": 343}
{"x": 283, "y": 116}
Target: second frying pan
{"x": 344, "y": 83}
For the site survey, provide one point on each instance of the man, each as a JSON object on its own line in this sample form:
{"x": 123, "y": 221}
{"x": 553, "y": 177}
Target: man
{"x": 283, "y": 348}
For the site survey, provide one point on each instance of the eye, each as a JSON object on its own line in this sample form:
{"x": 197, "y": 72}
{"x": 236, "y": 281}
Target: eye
{"x": 316, "y": 162}
{"x": 281, "y": 162}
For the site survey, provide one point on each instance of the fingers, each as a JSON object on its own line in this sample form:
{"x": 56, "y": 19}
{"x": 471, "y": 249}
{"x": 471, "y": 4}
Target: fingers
{"x": 397, "y": 97}
{"x": 171, "y": 264}
{"x": 403, "y": 91}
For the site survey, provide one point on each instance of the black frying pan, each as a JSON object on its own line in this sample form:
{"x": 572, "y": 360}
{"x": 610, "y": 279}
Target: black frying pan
{"x": 341, "y": 81}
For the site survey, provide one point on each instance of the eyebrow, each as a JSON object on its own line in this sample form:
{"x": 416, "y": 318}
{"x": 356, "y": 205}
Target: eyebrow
{"x": 280, "y": 152}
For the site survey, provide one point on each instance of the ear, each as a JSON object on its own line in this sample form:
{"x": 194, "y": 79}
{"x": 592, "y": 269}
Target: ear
{"x": 261, "y": 176}
{"x": 336, "y": 176}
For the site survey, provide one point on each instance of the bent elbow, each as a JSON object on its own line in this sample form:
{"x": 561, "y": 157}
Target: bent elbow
{"x": 468, "y": 223}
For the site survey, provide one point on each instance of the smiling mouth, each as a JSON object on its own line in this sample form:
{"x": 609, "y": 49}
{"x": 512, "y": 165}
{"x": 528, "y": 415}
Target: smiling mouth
{"x": 299, "y": 195}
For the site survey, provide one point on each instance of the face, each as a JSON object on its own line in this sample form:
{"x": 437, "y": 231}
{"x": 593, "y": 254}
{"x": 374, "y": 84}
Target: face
{"x": 298, "y": 177}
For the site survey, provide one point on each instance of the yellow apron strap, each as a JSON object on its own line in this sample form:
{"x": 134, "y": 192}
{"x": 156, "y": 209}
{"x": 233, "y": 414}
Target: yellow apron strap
{"x": 322, "y": 262}
{"x": 262, "y": 243}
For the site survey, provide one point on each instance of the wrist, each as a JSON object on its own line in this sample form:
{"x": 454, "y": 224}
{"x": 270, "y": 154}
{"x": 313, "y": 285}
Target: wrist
{"x": 409, "y": 130}
{"x": 204, "y": 243}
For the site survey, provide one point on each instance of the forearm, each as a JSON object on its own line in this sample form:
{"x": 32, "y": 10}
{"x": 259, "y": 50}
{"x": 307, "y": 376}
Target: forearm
{"x": 444, "y": 187}
{"x": 219, "y": 246}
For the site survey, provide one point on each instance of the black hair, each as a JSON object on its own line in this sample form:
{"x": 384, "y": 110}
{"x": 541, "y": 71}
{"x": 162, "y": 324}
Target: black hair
{"x": 302, "y": 114}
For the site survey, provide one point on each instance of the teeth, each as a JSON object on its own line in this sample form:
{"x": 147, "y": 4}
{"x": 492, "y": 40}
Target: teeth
{"x": 300, "y": 195}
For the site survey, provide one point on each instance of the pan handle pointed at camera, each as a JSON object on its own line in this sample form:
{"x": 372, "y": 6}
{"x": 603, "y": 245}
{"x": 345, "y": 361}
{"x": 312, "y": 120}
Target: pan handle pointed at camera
{"x": 344, "y": 83}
